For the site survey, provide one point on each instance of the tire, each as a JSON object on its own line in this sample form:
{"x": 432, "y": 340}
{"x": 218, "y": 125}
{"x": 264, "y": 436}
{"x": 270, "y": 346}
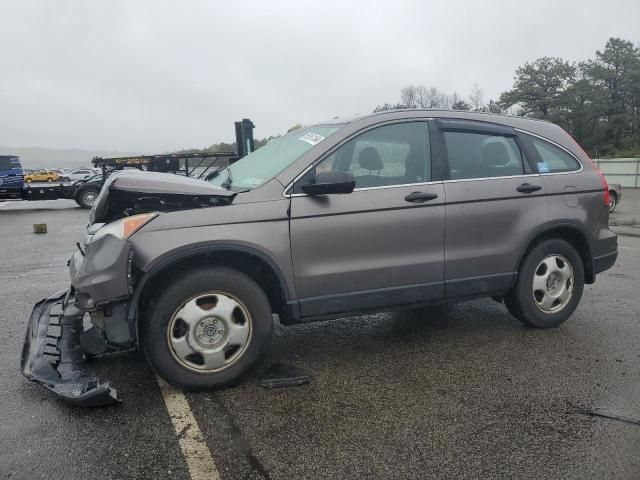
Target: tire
{"x": 50, "y": 180}
{"x": 27, "y": 180}
{"x": 164, "y": 337}
{"x": 549, "y": 305}
{"x": 613, "y": 201}
{"x": 87, "y": 197}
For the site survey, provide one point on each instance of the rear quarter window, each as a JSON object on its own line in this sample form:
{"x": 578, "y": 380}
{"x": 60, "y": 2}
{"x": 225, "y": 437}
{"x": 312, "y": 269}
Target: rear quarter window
{"x": 554, "y": 159}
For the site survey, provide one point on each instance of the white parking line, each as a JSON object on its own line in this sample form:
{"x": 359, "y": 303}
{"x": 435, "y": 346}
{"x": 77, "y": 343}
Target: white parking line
{"x": 629, "y": 248}
{"x": 197, "y": 455}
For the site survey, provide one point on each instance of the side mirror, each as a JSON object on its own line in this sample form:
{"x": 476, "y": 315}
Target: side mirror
{"x": 330, "y": 182}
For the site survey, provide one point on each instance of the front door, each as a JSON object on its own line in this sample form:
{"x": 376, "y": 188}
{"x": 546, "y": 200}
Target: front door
{"x": 380, "y": 245}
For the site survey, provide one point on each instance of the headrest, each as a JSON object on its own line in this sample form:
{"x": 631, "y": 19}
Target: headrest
{"x": 369, "y": 159}
{"x": 495, "y": 154}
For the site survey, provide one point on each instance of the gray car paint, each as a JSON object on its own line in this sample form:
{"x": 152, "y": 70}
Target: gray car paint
{"x": 370, "y": 249}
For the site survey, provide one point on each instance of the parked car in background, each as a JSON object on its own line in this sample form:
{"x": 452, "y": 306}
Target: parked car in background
{"x": 42, "y": 176}
{"x": 390, "y": 210}
{"x": 77, "y": 174}
{"x": 615, "y": 196}
{"x": 96, "y": 178}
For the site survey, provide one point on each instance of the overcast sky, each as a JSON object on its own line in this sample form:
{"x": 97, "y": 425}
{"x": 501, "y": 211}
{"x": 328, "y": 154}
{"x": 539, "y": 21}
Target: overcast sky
{"x": 155, "y": 76}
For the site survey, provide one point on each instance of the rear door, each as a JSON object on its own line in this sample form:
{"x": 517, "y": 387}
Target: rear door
{"x": 381, "y": 245}
{"x": 494, "y": 202}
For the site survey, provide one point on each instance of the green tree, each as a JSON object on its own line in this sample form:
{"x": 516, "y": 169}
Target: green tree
{"x": 540, "y": 87}
{"x": 616, "y": 71}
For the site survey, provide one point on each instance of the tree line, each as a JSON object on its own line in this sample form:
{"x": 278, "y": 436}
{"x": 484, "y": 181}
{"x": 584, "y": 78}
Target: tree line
{"x": 597, "y": 101}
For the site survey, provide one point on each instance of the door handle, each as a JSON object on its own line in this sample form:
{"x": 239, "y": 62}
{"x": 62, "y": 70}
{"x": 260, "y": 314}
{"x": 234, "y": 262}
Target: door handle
{"x": 528, "y": 188}
{"x": 420, "y": 197}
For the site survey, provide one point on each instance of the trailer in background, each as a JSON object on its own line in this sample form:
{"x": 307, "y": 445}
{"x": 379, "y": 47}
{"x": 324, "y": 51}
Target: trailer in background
{"x": 198, "y": 165}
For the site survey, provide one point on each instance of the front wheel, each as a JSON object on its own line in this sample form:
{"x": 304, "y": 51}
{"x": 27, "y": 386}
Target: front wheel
{"x": 549, "y": 285}
{"x": 207, "y": 329}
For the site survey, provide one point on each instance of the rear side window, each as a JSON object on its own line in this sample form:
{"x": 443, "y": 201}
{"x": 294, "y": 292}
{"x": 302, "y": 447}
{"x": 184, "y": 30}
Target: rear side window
{"x": 553, "y": 159}
{"x": 481, "y": 155}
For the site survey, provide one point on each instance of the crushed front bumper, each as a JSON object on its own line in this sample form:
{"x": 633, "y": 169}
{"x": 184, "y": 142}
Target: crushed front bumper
{"x": 52, "y": 354}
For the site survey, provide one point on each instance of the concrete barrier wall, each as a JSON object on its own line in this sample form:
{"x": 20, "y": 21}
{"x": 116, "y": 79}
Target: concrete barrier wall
{"x": 625, "y": 171}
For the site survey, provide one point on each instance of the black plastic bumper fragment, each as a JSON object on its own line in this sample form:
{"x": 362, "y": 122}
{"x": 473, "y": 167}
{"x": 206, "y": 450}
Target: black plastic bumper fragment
{"x": 279, "y": 375}
{"x": 52, "y": 355}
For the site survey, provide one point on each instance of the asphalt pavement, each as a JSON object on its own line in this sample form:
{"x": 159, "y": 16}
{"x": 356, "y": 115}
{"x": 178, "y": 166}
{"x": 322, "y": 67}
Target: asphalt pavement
{"x": 458, "y": 391}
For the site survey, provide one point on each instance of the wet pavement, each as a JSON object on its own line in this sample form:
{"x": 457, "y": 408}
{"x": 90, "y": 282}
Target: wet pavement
{"x": 462, "y": 390}
{"x": 626, "y": 217}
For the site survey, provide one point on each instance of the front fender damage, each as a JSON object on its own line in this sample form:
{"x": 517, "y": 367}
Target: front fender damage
{"x": 52, "y": 355}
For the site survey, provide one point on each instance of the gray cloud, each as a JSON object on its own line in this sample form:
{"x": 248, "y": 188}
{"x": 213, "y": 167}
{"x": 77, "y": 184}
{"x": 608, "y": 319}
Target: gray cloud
{"x": 156, "y": 76}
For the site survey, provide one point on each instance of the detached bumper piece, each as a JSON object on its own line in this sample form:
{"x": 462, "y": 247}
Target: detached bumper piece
{"x": 52, "y": 354}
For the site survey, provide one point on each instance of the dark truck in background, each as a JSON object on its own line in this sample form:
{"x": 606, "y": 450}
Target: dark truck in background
{"x": 11, "y": 177}
{"x": 85, "y": 192}
{"x": 14, "y": 187}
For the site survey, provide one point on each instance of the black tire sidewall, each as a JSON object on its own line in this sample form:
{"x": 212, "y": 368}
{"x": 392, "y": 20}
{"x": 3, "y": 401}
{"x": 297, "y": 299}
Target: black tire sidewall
{"x": 81, "y": 194}
{"x": 615, "y": 202}
{"x": 520, "y": 301}
{"x": 156, "y": 321}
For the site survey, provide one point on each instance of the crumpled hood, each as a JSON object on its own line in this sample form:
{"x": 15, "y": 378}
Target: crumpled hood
{"x": 134, "y": 191}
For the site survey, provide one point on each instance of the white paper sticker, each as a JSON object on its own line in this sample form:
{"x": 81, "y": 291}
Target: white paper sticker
{"x": 311, "y": 138}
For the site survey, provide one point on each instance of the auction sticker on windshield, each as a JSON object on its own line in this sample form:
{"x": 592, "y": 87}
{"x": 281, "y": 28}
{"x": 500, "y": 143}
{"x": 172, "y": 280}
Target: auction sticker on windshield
{"x": 311, "y": 138}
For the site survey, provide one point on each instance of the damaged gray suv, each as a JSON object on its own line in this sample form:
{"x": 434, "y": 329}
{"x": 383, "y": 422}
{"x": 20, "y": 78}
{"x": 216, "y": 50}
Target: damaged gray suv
{"x": 386, "y": 211}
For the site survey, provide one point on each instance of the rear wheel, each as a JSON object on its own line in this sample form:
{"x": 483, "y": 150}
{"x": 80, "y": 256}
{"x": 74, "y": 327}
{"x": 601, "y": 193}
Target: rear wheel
{"x": 549, "y": 285}
{"x": 207, "y": 329}
{"x": 49, "y": 179}
{"x": 87, "y": 197}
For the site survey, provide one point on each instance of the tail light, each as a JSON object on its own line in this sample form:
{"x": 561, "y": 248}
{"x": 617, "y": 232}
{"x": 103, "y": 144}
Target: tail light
{"x": 605, "y": 186}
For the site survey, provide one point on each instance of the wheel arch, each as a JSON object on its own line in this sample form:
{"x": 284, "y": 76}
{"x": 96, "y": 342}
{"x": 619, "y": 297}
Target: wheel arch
{"x": 571, "y": 233}
{"x": 254, "y": 263}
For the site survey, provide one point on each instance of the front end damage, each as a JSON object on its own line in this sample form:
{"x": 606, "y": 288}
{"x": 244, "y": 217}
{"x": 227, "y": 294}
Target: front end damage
{"x": 58, "y": 340}
{"x": 59, "y": 336}
{"x": 52, "y": 354}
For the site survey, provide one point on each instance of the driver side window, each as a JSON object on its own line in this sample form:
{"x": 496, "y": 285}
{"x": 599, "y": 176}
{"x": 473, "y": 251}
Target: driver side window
{"x": 396, "y": 154}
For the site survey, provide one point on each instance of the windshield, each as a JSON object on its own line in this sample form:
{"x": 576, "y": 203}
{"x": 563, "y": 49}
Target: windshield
{"x": 265, "y": 163}
{"x": 9, "y": 163}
